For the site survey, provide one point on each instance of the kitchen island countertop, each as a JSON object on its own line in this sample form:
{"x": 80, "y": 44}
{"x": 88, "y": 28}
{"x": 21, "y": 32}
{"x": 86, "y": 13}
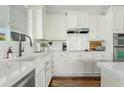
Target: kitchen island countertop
{"x": 112, "y": 74}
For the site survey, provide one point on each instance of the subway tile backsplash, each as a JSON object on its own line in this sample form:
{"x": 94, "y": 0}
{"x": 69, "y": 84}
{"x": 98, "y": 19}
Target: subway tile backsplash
{"x": 15, "y": 48}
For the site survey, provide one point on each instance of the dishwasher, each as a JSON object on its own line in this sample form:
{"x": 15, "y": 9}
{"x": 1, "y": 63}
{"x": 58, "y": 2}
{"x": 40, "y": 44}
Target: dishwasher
{"x": 26, "y": 81}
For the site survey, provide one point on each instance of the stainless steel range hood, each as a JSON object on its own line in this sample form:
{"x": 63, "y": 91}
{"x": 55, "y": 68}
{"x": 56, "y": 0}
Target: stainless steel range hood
{"x": 78, "y": 30}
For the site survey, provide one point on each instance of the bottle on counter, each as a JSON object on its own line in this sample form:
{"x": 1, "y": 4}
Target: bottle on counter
{"x": 9, "y": 53}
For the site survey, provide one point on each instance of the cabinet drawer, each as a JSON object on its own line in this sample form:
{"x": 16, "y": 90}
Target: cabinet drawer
{"x": 80, "y": 56}
{"x": 102, "y": 56}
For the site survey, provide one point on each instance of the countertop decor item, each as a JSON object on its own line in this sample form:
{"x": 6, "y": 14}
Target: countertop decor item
{"x": 44, "y": 46}
{"x": 50, "y": 43}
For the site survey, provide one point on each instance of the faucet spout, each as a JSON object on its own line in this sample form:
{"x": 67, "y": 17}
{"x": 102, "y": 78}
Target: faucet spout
{"x": 30, "y": 40}
{"x": 20, "y": 45}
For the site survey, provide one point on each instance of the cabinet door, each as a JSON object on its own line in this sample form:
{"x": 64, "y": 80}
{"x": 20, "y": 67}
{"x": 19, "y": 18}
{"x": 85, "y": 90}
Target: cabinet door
{"x": 72, "y": 21}
{"x": 74, "y": 67}
{"x": 52, "y": 68}
{"x": 92, "y": 27}
{"x": 40, "y": 79}
{"x": 86, "y": 66}
{"x": 56, "y": 27}
{"x": 4, "y": 16}
{"x": 118, "y": 19}
{"x": 101, "y": 35}
{"x": 48, "y": 74}
{"x": 61, "y": 67}
{"x": 83, "y": 21}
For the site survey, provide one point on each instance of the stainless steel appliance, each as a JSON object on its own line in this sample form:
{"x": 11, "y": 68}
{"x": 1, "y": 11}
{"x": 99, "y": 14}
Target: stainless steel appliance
{"x": 118, "y": 42}
{"x": 118, "y": 54}
{"x": 118, "y": 39}
{"x": 27, "y": 81}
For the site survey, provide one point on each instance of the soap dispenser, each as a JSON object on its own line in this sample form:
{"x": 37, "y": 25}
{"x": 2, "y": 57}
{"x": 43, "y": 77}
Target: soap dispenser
{"x": 9, "y": 53}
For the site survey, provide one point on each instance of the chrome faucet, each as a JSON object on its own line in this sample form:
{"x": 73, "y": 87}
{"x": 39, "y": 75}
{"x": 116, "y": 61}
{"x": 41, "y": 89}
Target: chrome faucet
{"x": 20, "y": 45}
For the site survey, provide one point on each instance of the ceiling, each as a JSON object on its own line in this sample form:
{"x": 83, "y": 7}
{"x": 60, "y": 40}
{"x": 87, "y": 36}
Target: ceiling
{"x": 90, "y": 9}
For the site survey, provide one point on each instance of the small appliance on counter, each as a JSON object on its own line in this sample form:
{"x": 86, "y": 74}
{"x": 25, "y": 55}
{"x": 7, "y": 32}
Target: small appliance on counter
{"x": 64, "y": 46}
{"x": 100, "y": 48}
{"x": 44, "y": 46}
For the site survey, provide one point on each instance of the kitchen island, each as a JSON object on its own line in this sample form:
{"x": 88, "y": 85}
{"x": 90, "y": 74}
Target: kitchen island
{"x": 112, "y": 74}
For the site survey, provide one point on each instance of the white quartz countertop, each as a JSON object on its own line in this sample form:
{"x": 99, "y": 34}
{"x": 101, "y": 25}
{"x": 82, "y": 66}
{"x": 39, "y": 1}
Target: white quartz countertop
{"x": 12, "y": 70}
{"x": 117, "y": 68}
{"x": 92, "y": 52}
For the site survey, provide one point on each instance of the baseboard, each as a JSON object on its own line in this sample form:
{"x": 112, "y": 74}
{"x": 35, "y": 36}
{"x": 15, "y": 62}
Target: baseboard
{"x": 78, "y": 75}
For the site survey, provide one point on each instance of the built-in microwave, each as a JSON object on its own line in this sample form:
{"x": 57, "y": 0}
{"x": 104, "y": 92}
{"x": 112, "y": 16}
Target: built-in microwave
{"x": 118, "y": 39}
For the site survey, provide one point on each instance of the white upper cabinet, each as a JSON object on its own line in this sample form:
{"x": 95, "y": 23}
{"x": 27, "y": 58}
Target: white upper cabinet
{"x": 4, "y": 16}
{"x": 117, "y": 18}
{"x": 77, "y": 21}
{"x": 83, "y": 21}
{"x": 56, "y": 27}
{"x": 97, "y": 27}
{"x": 102, "y": 27}
{"x": 92, "y": 27}
{"x": 18, "y": 18}
{"x": 71, "y": 21}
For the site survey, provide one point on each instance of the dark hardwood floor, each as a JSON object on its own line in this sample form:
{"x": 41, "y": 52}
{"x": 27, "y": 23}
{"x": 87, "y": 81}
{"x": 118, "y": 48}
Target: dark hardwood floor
{"x": 75, "y": 82}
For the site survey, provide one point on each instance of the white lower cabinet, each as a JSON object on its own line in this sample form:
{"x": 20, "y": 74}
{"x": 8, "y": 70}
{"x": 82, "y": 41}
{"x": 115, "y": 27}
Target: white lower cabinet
{"x": 44, "y": 71}
{"x": 48, "y": 74}
{"x": 73, "y": 67}
{"x": 84, "y": 64}
{"x": 40, "y": 79}
{"x": 61, "y": 67}
{"x": 86, "y": 67}
{"x": 73, "y": 64}
{"x": 79, "y": 67}
{"x": 61, "y": 64}
{"x": 65, "y": 65}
